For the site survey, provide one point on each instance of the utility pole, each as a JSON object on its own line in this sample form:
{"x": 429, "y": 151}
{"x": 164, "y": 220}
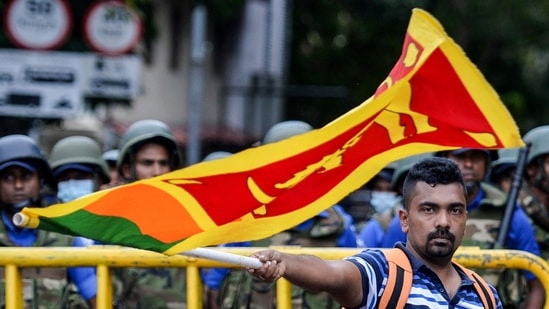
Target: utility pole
{"x": 196, "y": 83}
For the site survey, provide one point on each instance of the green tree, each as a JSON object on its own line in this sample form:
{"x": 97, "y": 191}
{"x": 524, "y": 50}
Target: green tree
{"x": 355, "y": 43}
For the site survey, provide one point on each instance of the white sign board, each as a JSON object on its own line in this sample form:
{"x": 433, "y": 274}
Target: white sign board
{"x": 44, "y": 85}
{"x": 38, "y": 24}
{"x": 112, "y": 77}
{"x": 54, "y": 84}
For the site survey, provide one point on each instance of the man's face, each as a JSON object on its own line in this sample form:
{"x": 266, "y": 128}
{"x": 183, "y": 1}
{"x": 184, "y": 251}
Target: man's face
{"x": 473, "y": 165}
{"x": 18, "y": 185}
{"x": 505, "y": 181}
{"x": 435, "y": 221}
{"x": 150, "y": 160}
{"x": 533, "y": 172}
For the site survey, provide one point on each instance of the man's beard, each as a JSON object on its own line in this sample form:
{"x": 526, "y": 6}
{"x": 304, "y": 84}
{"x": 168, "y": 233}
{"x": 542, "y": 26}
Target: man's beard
{"x": 437, "y": 250}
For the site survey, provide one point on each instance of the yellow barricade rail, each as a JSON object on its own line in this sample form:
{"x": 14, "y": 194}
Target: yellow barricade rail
{"x": 106, "y": 257}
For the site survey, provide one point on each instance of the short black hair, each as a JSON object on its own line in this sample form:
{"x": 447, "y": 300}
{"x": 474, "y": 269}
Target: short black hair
{"x": 433, "y": 171}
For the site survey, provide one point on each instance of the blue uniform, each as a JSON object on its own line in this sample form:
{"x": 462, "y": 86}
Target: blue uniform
{"x": 372, "y": 234}
{"x": 393, "y": 234}
{"x": 20, "y": 237}
{"x": 85, "y": 278}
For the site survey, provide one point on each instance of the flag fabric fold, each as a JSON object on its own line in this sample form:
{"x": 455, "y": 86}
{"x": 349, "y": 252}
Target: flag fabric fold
{"x": 433, "y": 99}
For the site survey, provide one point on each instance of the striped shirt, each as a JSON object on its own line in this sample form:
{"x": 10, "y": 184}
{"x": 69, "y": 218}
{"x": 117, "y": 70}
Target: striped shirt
{"x": 427, "y": 290}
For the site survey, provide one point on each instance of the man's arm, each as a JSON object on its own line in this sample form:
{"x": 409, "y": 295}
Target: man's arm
{"x": 340, "y": 278}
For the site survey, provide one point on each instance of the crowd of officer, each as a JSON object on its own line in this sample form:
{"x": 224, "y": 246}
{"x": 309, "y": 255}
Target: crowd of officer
{"x": 367, "y": 217}
{"x": 76, "y": 167}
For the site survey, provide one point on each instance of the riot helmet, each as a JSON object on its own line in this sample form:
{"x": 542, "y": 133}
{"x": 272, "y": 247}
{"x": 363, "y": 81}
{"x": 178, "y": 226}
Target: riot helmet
{"x": 507, "y": 159}
{"x": 80, "y": 153}
{"x": 539, "y": 140}
{"x": 286, "y": 129}
{"x": 21, "y": 150}
{"x": 216, "y": 155}
{"x": 539, "y": 147}
{"x": 142, "y": 132}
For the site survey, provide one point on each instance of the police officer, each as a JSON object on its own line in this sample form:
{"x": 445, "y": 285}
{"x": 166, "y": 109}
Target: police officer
{"x": 78, "y": 167}
{"x": 536, "y": 184}
{"x": 25, "y": 180}
{"x": 147, "y": 149}
{"x": 330, "y": 228}
{"x": 78, "y": 170}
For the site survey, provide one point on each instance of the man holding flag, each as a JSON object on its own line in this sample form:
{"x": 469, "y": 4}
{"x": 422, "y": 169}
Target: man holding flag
{"x": 434, "y": 218}
{"x": 485, "y": 204}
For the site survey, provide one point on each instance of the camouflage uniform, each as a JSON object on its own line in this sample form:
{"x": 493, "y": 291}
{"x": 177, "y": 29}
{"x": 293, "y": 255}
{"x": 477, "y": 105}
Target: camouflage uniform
{"x": 148, "y": 288}
{"x": 243, "y": 291}
{"x": 44, "y": 287}
{"x": 538, "y": 212}
{"x": 482, "y": 228}
{"x": 151, "y": 288}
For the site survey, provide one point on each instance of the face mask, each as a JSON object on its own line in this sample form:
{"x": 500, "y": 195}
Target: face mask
{"x": 383, "y": 201}
{"x": 72, "y": 189}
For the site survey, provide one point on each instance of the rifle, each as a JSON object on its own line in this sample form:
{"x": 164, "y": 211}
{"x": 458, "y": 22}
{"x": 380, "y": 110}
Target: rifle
{"x": 513, "y": 196}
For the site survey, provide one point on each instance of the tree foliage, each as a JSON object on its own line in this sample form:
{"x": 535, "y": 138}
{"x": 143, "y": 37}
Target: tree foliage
{"x": 355, "y": 43}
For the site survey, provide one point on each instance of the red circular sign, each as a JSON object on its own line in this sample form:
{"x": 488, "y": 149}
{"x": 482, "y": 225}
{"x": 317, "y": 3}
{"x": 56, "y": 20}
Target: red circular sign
{"x": 112, "y": 28}
{"x": 38, "y": 24}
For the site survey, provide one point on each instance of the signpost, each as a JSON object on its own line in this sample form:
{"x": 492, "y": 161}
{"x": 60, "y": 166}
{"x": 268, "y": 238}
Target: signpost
{"x": 38, "y": 82}
{"x": 41, "y": 85}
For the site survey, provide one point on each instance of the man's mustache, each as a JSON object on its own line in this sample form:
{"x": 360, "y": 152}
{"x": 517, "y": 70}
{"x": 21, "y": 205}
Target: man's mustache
{"x": 442, "y": 233}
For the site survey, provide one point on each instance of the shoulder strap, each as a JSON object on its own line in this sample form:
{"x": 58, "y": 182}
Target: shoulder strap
{"x": 399, "y": 280}
{"x": 481, "y": 286}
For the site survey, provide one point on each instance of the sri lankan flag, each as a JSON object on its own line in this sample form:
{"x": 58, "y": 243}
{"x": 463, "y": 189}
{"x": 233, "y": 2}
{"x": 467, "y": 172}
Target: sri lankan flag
{"x": 433, "y": 99}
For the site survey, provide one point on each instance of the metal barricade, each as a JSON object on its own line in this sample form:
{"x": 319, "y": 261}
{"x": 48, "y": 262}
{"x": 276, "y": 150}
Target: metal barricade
{"x": 104, "y": 258}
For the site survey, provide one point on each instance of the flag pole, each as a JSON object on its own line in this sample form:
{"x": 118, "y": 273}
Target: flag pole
{"x": 225, "y": 257}
{"x": 22, "y": 220}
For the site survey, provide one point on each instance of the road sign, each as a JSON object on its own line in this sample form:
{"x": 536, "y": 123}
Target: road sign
{"x": 40, "y": 85}
{"x": 112, "y": 27}
{"x": 38, "y": 24}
